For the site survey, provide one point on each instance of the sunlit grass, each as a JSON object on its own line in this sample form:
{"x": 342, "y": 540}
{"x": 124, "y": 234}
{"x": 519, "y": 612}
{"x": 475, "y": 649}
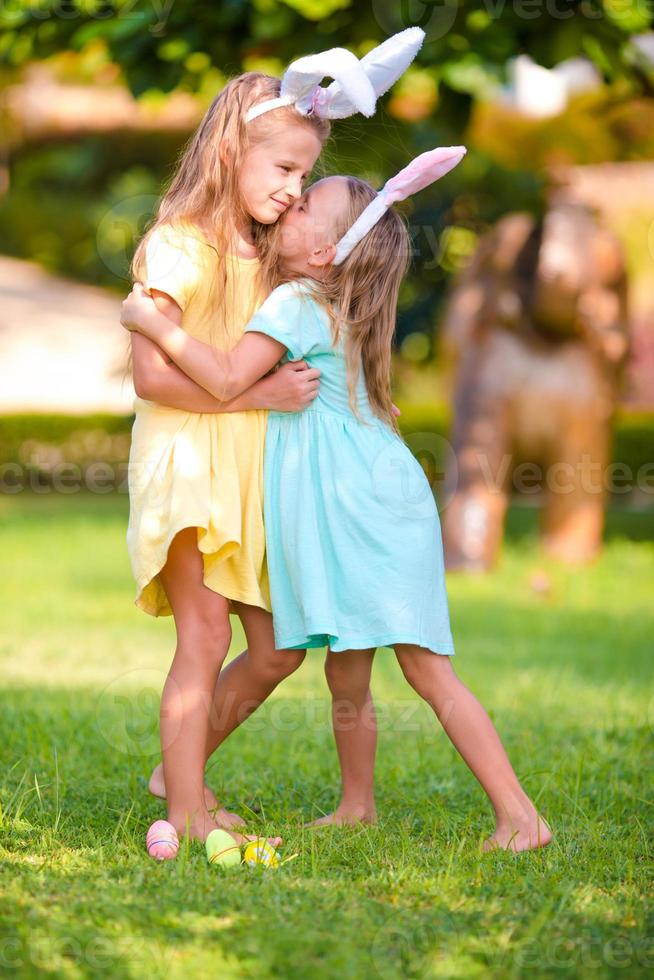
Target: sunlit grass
{"x": 566, "y": 674}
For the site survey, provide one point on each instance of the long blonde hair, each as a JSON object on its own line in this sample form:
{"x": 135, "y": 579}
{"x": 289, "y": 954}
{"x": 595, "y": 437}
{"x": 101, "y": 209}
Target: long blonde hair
{"x": 204, "y": 190}
{"x": 361, "y": 296}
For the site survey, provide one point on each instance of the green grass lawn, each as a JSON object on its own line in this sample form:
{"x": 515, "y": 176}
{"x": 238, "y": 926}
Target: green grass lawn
{"x": 566, "y": 675}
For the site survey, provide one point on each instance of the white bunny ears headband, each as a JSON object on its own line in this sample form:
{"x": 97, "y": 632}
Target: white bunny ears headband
{"x": 355, "y": 88}
{"x": 356, "y": 85}
{"x": 421, "y": 172}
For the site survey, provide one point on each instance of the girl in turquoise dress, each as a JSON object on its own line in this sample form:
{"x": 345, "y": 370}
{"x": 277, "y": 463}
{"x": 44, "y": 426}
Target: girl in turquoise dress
{"x": 352, "y": 531}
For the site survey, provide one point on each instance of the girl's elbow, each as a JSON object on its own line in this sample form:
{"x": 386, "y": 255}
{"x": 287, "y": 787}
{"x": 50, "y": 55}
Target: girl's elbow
{"x": 144, "y": 385}
{"x": 226, "y": 378}
{"x": 226, "y": 390}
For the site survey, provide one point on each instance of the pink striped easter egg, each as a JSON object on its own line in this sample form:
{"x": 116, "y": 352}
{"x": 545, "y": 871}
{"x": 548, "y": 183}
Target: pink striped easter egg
{"x": 162, "y": 842}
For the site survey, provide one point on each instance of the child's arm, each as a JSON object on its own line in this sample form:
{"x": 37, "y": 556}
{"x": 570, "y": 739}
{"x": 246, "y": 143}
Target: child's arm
{"x": 157, "y": 378}
{"x": 225, "y": 374}
{"x": 155, "y": 374}
{"x": 153, "y": 371}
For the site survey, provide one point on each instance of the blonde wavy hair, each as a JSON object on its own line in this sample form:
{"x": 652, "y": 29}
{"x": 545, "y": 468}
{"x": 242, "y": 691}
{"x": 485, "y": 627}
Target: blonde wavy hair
{"x": 204, "y": 190}
{"x": 360, "y": 295}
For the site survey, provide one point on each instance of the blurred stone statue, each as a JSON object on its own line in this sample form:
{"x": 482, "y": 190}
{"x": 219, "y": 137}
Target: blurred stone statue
{"x": 536, "y": 331}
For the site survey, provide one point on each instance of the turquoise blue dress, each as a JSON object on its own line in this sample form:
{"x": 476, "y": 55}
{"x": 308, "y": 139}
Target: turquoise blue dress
{"x": 353, "y": 537}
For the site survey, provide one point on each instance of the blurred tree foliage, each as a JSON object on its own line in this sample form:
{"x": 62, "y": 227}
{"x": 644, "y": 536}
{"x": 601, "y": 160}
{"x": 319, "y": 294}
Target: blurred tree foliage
{"x": 65, "y": 195}
{"x": 164, "y": 44}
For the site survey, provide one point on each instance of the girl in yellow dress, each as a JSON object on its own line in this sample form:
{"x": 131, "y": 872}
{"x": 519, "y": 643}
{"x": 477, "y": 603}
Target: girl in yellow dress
{"x": 195, "y": 536}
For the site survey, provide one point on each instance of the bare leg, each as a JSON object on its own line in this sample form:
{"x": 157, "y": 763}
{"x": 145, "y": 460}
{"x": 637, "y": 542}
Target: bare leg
{"x": 157, "y": 786}
{"x": 203, "y": 639}
{"x": 250, "y": 678}
{"x": 225, "y": 818}
{"x": 518, "y": 826}
{"x": 355, "y": 731}
{"x": 242, "y": 686}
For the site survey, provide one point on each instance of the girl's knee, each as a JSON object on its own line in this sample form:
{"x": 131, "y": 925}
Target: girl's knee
{"x": 344, "y": 679}
{"x": 290, "y": 660}
{"x": 421, "y": 668}
{"x": 205, "y": 635}
{"x": 334, "y": 674}
{"x": 411, "y": 673}
{"x": 279, "y": 665}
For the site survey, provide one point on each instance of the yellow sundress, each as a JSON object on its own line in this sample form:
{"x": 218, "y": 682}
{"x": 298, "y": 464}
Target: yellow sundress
{"x": 199, "y": 470}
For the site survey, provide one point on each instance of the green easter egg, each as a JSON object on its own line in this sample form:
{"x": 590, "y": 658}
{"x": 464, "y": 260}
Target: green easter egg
{"x": 222, "y": 849}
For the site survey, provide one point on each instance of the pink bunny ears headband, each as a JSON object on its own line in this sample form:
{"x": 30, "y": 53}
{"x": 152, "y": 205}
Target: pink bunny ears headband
{"x": 422, "y": 171}
{"x": 356, "y": 85}
{"x": 355, "y": 88}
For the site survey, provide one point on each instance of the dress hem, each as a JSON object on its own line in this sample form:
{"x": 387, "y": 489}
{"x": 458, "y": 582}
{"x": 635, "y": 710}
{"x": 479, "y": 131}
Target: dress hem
{"x": 228, "y": 549}
{"x": 310, "y": 641}
{"x": 247, "y": 600}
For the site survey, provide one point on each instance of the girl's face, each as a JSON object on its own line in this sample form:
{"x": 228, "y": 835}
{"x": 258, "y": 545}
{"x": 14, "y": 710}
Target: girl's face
{"x": 308, "y": 229}
{"x": 273, "y": 171}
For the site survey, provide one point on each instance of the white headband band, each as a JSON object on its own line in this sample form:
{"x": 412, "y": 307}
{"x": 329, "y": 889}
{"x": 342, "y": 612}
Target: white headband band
{"x": 422, "y": 171}
{"x": 261, "y": 107}
{"x": 357, "y": 84}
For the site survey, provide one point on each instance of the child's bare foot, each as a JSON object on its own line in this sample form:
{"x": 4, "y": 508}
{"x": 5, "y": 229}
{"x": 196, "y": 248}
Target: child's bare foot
{"x": 345, "y": 816}
{"x": 525, "y": 833}
{"x": 241, "y": 839}
{"x": 226, "y": 820}
{"x": 203, "y": 823}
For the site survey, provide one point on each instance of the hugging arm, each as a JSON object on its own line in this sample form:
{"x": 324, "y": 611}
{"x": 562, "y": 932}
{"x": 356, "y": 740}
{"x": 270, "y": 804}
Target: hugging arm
{"x": 157, "y": 378}
{"x": 224, "y": 374}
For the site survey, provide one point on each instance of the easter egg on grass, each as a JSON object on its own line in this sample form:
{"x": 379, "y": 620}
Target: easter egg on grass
{"x": 261, "y": 852}
{"x": 161, "y": 841}
{"x": 222, "y": 849}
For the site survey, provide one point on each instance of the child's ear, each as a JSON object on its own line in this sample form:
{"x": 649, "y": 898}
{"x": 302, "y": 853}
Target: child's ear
{"x": 223, "y": 152}
{"x": 322, "y": 256}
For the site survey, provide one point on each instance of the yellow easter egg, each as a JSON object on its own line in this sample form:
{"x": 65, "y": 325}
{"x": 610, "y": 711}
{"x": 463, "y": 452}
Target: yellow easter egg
{"x": 261, "y": 852}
